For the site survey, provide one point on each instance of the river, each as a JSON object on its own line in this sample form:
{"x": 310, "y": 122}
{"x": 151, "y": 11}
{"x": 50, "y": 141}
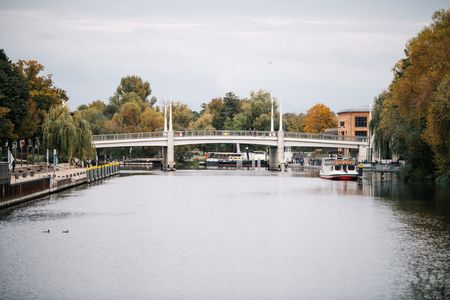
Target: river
{"x": 227, "y": 234}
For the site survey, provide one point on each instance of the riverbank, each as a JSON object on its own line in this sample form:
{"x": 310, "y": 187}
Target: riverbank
{"x": 34, "y": 184}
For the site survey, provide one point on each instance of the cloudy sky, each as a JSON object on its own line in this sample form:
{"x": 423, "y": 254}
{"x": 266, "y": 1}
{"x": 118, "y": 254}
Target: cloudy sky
{"x": 336, "y": 52}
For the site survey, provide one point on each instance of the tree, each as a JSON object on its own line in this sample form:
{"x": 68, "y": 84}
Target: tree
{"x": 6, "y": 126}
{"x": 437, "y": 133}
{"x": 43, "y": 95}
{"x": 294, "y": 122}
{"x": 411, "y": 119}
{"x": 93, "y": 114}
{"x": 214, "y": 107}
{"x": 258, "y": 110}
{"x": 128, "y": 117}
{"x": 151, "y": 120}
{"x": 318, "y": 118}
{"x": 70, "y": 136}
{"x": 204, "y": 122}
{"x": 83, "y": 138}
{"x": 131, "y": 85}
{"x": 182, "y": 116}
{"x": 382, "y": 141}
{"x": 13, "y": 98}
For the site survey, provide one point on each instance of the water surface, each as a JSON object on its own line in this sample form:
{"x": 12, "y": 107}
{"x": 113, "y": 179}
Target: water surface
{"x": 229, "y": 235}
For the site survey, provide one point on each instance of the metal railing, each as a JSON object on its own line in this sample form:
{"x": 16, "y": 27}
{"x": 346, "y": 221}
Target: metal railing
{"x": 319, "y": 136}
{"x": 233, "y": 133}
{"x": 193, "y": 133}
{"x": 127, "y": 136}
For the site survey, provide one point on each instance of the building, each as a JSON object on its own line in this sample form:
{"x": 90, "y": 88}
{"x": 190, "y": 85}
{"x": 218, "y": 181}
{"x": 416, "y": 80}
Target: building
{"x": 354, "y": 122}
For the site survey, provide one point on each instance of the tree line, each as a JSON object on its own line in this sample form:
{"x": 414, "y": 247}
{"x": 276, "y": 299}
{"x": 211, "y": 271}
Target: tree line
{"x": 33, "y": 109}
{"x": 411, "y": 118}
{"x": 131, "y": 109}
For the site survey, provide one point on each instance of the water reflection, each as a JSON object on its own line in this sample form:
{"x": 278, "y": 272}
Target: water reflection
{"x": 230, "y": 234}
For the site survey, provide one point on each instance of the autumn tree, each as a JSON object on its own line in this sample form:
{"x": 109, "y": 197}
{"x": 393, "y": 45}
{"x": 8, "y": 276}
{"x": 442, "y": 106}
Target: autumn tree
{"x": 414, "y": 113}
{"x": 437, "y": 132}
{"x": 318, "y": 118}
{"x": 151, "y": 120}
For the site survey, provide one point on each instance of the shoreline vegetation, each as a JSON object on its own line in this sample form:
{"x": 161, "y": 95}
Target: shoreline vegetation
{"x": 410, "y": 119}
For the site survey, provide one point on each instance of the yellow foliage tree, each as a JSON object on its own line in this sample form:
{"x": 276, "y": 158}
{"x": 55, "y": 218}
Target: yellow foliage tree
{"x": 318, "y": 118}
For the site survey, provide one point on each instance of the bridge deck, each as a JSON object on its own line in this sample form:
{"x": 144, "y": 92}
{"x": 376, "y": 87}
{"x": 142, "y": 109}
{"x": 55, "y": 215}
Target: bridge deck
{"x": 190, "y": 137}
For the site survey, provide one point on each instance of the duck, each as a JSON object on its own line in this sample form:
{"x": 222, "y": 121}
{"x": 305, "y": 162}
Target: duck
{"x": 65, "y": 231}
{"x": 46, "y": 231}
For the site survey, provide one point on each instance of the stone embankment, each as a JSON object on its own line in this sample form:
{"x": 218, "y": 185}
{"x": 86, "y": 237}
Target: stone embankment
{"x": 33, "y": 182}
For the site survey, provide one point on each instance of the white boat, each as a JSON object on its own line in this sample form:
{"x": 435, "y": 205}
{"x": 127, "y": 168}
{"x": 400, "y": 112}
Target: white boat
{"x": 338, "y": 169}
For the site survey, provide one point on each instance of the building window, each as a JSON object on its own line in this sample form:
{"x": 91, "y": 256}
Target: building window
{"x": 342, "y": 132}
{"x": 360, "y": 121}
{"x": 361, "y": 133}
{"x": 342, "y": 124}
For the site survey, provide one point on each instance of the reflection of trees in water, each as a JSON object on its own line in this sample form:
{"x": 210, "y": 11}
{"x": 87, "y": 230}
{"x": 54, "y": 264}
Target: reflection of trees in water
{"x": 431, "y": 284}
{"x": 429, "y": 256}
{"x": 424, "y": 210}
{"x": 421, "y": 198}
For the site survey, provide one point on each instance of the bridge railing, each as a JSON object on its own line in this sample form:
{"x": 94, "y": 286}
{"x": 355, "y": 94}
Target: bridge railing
{"x": 193, "y": 133}
{"x": 210, "y": 133}
{"x": 127, "y": 136}
{"x": 318, "y": 136}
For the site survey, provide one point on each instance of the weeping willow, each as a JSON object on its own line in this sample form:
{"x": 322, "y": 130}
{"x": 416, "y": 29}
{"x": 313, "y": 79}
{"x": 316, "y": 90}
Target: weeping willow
{"x": 69, "y": 135}
{"x": 381, "y": 140}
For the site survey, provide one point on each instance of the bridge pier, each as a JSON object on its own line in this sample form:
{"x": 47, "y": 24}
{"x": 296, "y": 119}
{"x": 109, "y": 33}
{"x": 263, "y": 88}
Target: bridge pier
{"x": 169, "y": 153}
{"x": 276, "y": 154}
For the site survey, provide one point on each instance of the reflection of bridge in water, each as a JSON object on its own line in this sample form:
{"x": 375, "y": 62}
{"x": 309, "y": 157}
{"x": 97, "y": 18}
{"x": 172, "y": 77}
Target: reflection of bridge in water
{"x": 276, "y": 141}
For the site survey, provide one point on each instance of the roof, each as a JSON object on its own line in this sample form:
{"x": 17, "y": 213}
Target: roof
{"x": 361, "y": 108}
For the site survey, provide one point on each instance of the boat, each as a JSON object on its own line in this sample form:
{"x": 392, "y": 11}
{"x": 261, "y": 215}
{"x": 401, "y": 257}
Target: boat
{"x": 338, "y": 169}
{"x": 229, "y": 159}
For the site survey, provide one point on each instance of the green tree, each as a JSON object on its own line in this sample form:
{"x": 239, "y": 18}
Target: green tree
{"x": 93, "y": 114}
{"x": 182, "y": 116}
{"x": 382, "y": 141}
{"x": 294, "y": 122}
{"x": 6, "y": 126}
{"x": 13, "y": 98}
{"x": 70, "y": 136}
{"x": 131, "y": 85}
{"x": 128, "y": 117}
{"x": 204, "y": 122}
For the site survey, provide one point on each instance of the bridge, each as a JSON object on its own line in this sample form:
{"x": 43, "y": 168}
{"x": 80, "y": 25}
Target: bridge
{"x": 276, "y": 141}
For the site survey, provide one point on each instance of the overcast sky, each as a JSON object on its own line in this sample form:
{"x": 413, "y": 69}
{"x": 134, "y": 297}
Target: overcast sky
{"x": 339, "y": 53}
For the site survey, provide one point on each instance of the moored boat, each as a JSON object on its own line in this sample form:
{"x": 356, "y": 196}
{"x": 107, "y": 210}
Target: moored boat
{"x": 338, "y": 169}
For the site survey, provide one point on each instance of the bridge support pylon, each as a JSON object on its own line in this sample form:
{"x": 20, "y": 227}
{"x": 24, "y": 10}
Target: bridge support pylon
{"x": 169, "y": 153}
{"x": 276, "y": 155}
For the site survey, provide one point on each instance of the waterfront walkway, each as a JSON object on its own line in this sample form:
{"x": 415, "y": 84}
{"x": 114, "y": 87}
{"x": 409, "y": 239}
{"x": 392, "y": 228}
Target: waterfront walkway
{"x": 35, "y": 171}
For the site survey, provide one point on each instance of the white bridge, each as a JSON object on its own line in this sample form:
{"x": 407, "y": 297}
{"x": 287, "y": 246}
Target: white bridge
{"x": 276, "y": 141}
{"x": 169, "y": 139}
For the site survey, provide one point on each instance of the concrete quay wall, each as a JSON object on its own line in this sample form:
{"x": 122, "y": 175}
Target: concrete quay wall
{"x": 23, "y": 191}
